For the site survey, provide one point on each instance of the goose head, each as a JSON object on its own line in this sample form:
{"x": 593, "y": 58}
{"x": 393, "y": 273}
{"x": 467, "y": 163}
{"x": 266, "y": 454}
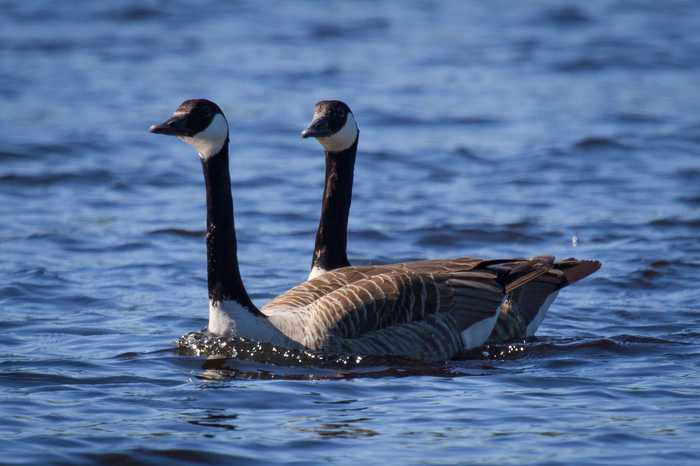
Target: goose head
{"x": 333, "y": 125}
{"x": 198, "y": 122}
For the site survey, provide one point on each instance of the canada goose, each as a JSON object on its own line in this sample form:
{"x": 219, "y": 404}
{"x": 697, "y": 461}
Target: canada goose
{"x": 426, "y": 310}
{"x": 334, "y": 126}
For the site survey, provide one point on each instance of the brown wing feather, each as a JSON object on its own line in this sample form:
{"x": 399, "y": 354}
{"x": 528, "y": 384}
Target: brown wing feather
{"x": 362, "y": 300}
{"x": 426, "y": 320}
{"x": 309, "y": 291}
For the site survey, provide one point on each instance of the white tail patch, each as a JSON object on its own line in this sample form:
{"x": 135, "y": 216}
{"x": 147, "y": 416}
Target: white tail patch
{"x": 477, "y": 334}
{"x": 541, "y": 312}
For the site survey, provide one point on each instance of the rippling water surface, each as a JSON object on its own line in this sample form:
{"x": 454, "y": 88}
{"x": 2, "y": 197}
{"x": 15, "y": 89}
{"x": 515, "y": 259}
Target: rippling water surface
{"x": 488, "y": 128}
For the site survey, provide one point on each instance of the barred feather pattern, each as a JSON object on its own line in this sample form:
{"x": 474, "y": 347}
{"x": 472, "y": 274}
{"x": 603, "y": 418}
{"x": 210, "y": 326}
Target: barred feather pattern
{"x": 413, "y": 309}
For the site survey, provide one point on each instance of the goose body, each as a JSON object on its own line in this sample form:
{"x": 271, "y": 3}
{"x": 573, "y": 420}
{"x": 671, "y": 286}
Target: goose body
{"x": 427, "y": 310}
{"x": 334, "y": 126}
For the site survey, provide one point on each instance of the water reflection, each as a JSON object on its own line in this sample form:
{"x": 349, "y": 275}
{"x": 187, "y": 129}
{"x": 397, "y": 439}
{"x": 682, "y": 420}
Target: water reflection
{"x": 349, "y": 428}
{"x": 217, "y": 418}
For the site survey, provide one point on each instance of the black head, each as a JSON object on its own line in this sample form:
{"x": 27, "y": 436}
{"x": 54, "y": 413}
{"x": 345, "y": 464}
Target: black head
{"x": 329, "y": 118}
{"x": 198, "y": 122}
{"x": 190, "y": 118}
{"x": 333, "y": 124}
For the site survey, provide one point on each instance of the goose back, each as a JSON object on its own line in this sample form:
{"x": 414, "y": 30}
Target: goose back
{"x": 422, "y": 309}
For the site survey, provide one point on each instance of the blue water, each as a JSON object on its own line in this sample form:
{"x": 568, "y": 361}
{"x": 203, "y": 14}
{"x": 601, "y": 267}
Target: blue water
{"x": 488, "y": 128}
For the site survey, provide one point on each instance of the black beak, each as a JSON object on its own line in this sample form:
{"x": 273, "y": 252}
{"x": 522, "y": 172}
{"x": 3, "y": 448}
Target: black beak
{"x": 173, "y": 126}
{"x": 318, "y": 128}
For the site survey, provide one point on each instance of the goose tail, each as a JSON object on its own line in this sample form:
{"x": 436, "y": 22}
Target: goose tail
{"x": 532, "y": 293}
{"x": 575, "y": 270}
{"x": 518, "y": 273}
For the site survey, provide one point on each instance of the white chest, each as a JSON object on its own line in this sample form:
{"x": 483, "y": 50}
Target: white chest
{"x": 229, "y": 318}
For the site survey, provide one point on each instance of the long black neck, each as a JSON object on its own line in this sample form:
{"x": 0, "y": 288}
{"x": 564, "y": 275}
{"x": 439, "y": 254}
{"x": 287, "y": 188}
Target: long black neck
{"x": 223, "y": 274}
{"x": 330, "y": 251}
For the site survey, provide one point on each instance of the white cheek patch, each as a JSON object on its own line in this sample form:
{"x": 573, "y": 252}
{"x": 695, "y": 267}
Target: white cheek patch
{"x": 209, "y": 141}
{"x": 343, "y": 139}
